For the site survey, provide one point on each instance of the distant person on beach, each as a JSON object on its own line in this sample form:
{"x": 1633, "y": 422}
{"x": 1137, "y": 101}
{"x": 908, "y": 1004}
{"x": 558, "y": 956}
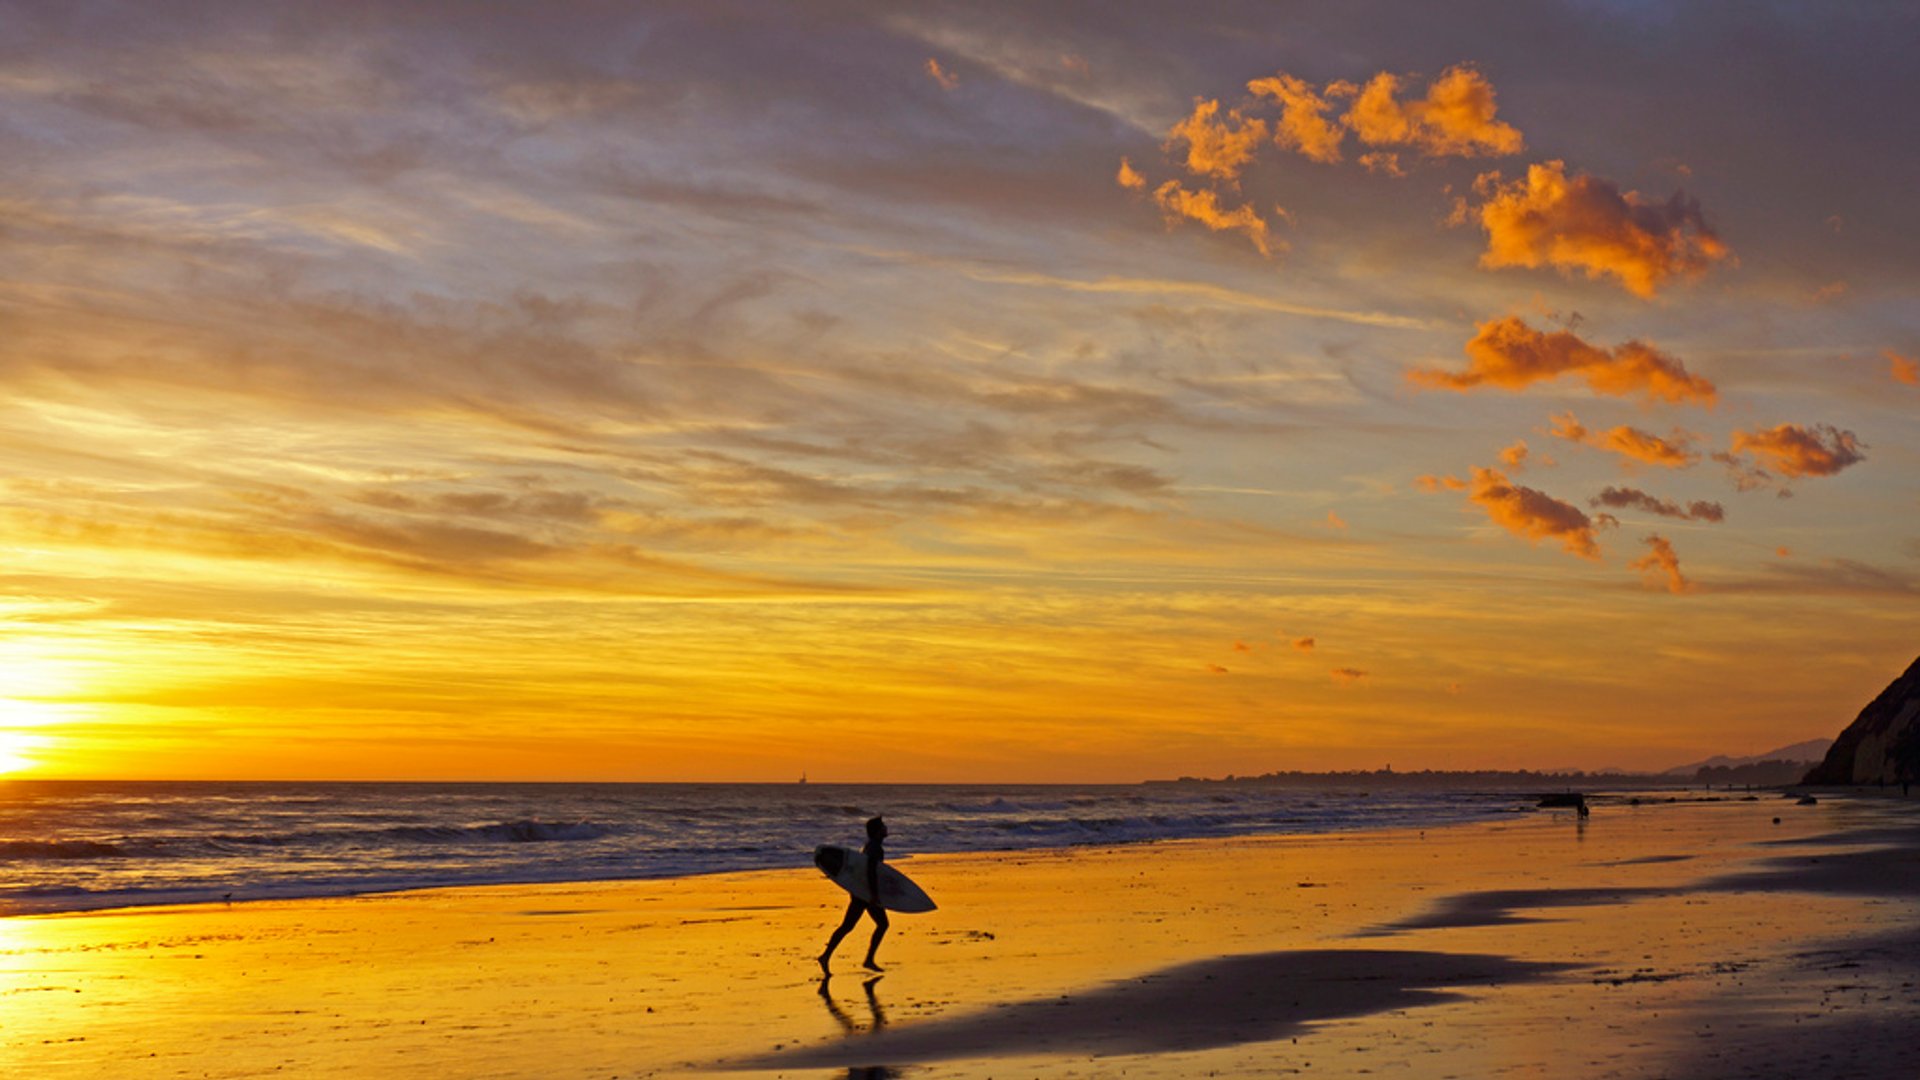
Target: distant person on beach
{"x": 875, "y": 852}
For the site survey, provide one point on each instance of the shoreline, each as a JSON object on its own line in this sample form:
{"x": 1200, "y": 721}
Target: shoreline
{"x": 12, "y": 908}
{"x": 1648, "y": 941}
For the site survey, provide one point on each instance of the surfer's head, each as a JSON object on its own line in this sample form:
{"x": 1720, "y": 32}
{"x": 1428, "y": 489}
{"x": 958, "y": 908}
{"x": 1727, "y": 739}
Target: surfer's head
{"x": 876, "y": 829}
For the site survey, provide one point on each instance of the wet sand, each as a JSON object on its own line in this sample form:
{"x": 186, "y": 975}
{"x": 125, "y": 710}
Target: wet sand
{"x": 1690, "y": 939}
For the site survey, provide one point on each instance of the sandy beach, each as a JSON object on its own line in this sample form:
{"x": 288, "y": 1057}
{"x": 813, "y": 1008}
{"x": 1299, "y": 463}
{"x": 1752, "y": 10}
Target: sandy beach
{"x": 1688, "y": 939}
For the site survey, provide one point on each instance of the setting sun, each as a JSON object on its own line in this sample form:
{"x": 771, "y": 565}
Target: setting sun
{"x": 13, "y": 750}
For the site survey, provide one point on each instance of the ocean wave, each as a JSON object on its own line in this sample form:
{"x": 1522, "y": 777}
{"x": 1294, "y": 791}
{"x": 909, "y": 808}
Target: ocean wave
{"x": 79, "y": 846}
{"x": 60, "y": 849}
{"x": 512, "y": 832}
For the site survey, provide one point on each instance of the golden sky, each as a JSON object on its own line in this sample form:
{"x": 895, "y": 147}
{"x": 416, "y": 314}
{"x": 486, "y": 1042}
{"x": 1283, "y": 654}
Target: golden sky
{"x": 950, "y": 392}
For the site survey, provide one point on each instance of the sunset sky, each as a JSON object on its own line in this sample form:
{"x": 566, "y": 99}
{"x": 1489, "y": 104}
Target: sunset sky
{"x": 951, "y": 392}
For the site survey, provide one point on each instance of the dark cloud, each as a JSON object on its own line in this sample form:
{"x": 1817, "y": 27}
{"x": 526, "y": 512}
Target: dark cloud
{"x": 1635, "y": 499}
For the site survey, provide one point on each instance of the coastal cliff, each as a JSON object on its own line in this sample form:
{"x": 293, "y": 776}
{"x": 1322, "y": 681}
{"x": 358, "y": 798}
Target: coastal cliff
{"x": 1882, "y": 745}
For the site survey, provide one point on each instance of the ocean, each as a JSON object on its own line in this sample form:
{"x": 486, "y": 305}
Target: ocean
{"x": 72, "y": 846}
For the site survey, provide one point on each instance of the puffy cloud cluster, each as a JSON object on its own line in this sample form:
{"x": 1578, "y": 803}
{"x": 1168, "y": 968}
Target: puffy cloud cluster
{"x": 1795, "y": 451}
{"x": 1218, "y": 142}
{"x": 1583, "y": 223}
{"x": 1509, "y": 354}
{"x": 1455, "y": 119}
{"x": 1215, "y": 147}
{"x": 1660, "y": 561}
{"x": 1674, "y": 452}
{"x": 1624, "y": 498}
{"x": 1204, "y": 207}
{"x": 1524, "y": 511}
{"x": 1303, "y": 123}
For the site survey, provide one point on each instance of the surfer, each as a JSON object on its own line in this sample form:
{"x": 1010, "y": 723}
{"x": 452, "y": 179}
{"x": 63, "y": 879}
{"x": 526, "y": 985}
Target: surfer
{"x": 875, "y": 852}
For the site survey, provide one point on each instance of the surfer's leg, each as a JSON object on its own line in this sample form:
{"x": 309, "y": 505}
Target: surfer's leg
{"x": 854, "y": 908}
{"x": 879, "y": 931}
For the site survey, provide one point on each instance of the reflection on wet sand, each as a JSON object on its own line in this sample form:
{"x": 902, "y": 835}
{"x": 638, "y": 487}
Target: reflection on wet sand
{"x": 877, "y": 1020}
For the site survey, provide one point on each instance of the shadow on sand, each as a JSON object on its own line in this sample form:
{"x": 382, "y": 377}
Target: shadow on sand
{"x": 1890, "y": 867}
{"x": 1201, "y": 1006}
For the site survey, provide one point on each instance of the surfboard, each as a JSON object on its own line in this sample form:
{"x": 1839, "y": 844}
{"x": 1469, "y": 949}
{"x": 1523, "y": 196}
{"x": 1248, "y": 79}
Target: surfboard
{"x": 847, "y": 868}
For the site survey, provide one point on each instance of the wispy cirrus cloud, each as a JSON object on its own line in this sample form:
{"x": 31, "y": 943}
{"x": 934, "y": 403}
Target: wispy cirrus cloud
{"x": 1588, "y": 225}
{"x": 1508, "y": 354}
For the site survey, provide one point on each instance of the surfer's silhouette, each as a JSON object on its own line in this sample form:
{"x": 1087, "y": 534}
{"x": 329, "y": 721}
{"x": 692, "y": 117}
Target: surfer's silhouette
{"x": 875, "y": 852}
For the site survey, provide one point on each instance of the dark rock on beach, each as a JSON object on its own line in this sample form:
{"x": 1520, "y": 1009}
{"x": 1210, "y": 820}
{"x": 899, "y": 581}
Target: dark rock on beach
{"x": 1882, "y": 745}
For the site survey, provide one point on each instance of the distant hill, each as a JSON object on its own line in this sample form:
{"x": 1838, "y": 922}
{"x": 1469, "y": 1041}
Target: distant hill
{"x": 1805, "y": 753}
{"x": 1882, "y": 745}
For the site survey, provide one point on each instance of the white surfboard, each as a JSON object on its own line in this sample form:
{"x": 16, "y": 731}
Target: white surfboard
{"x": 847, "y": 868}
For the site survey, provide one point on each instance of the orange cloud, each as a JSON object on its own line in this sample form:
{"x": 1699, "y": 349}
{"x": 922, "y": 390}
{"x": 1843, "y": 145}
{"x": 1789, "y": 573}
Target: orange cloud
{"x": 1214, "y": 147}
{"x": 1903, "y": 368}
{"x": 1335, "y": 521}
{"x": 1304, "y": 644}
{"x": 947, "y": 80}
{"x": 1383, "y": 161}
{"x": 1508, "y": 354}
{"x": 1241, "y": 646}
{"x": 1430, "y": 482}
{"x": 1454, "y": 120}
{"x": 1821, "y": 450}
{"x": 1661, "y": 560}
{"x": 1515, "y": 457}
{"x": 1347, "y": 675}
{"x": 1128, "y": 178}
{"x": 1533, "y": 514}
{"x": 1588, "y": 224}
{"x": 1204, "y": 207}
{"x": 1634, "y": 498}
{"x": 1674, "y": 452}
{"x": 1303, "y": 124}
{"x": 1217, "y": 669}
